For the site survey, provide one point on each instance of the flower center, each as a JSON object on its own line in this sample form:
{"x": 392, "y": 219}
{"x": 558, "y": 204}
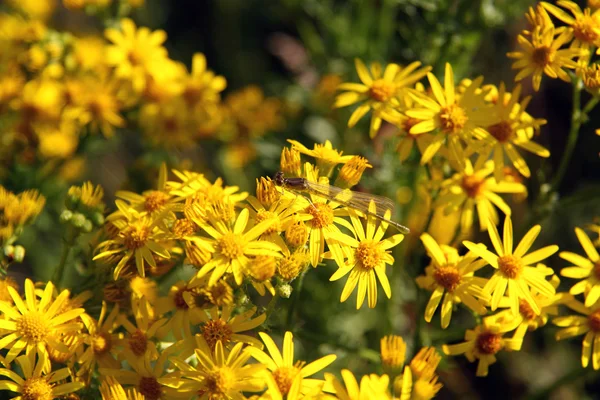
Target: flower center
{"x": 184, "y": 227}
{"x": 489, "y": 343}
{"x": 216, "y": 330}
{"x": 220, "y": 294}
{"x": 138, "y": 343}
{"x": 448, "y": 277}
{"x": 101, "y": 343}
{"x": 322, "y": 215}
{"x": 585, "y": 28}
{"x": 155, "y": 200}
{"x": 502, "y": 131}
{"x": 596, "y": 270}
{"x": 136, "y": 236}
{"x": 36, "y": 389}
{"x": 33, "y": 327}
{"x": 179, "y": 301}
{"x": 382, "y": 90}
{"x": 542, "y": 56}
{"x": 453, "y": 119}
{"x": 510, "y": 266}
{"x": 264, "y": 215}
{"x": 526, "y": 311}
{"x": 472, "y": 185}
{"x": 262, "y": 268}
{"x": 150, "y": 388}
{"x": 135, "y": 57}
{"x": 290, "y": 267}
{"x": 594, "y": 321}
{"x": 296, "y": 234}
{"x": 368, "y": 254}
{"x": 218, "y": 383}
{"x": 284, "y": 377}
{"x": 231, "y": 246}
{"x": 408, "y": 124}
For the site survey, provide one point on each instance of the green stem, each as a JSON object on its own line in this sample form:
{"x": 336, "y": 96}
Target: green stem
{"x": 292, "y": 309}
{"x": 271, "y": 305}
{"x": 576, "y": 121}
{"x": 68, "y": 243}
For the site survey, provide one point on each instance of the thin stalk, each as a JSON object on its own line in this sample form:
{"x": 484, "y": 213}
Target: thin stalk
{"x": 68, "y": 243}
{"x": 298, "y": 291}
{"x": 271, "y": 305}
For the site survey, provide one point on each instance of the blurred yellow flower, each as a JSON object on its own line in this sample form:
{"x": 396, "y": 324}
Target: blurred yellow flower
{"x": 585, "y": 24}
{"x": 588, "y": 323}
{"x": 586, "y": 270}
{"x": 370, "y": 387}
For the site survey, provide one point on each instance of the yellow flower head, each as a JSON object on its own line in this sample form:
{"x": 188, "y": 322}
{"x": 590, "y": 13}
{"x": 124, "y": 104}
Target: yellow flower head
{"x": 393, "y": 352}
{"x": 326, "y": 156}
{"x": 370, "y": 386}
{"x": 514, "y": 274}
{"x": 585, "y": 24}
{"x": 584, "y": 269}
{"x": 351, "y": 172}
{"x": 587, "y": 322}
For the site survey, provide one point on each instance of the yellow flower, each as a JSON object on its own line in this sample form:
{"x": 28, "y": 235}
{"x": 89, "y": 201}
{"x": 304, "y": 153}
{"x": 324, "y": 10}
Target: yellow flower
{"x": 393, "y": 352}
{"x": 185, "y": 313}
{"x": 151, "y": 201}
{"x": 511, "y": 131}
{"x": 543, "y": 55}
{"x": 370, "y": 387}
{"x": 136, "y": 53}
{"x": 231, "y": 247}
{"x": 586, "y": 270}
{"x": 325, "y": 155}
{"x": 37, "y": 382}
{"x": 378, "y": 91}
{"x": 456, "y": 116}
{"x": 483, "y": 343}
{"x": 367, "y": 257}
{"x": 513, "y": 268}
{"x": 419, "y": 381}
{"x": 138, "y": 341}
{"x": 33, "y": 325}
{"x": 88, "y": 195}
{"x": 202, "y": 86}
{"x": 283, "y": 368}
{"x": 351, "y": 172}
{"x": 473, "y": 189}
{"x": 454, "y": 277}
{"x": 139, "y": 237}
{"x": 100, "y": 340}
{"x": 21, "y": 209}
{"x": 219, "y": 374}
{"x": 252, "y": 113}
{"x": 585, "y": 24}
{"x": 575, "y": 325}
{"x": 226, "y": 328}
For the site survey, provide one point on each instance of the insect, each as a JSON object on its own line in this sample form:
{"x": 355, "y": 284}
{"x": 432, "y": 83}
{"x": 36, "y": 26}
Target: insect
{"x": 356, "y": 200}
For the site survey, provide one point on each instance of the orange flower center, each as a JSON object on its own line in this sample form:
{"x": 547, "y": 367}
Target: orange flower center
{"x": 136, "y": 236}
{"x": 488, "y": 343}
{"x": 138, "y": 343}
{"x": 596, "y": 270}
{"x": 36, "y": 389}
{"x": 231, "y": 246}
{"x": 382, "y": 90}
{"x": 584, "y": 29}
{"x": 101, "y": 343}
{"x": 284, "y": 377}
{"x": 409, "y": 123}
{"x": 216, "y": 330}
{"x": 322, "y": 215}
{"x": 369, "y": 254}
{"x": 218, "y": 383}
{"x": 135, "y": 57}
{"x": 448, "y": 277}
{"x": 510, "y": 266}
{"x": 526, "y": 311}
{"x": 150, "y": 388}
{"x": 472, "y": 185}
{"x": 453, "y": 119}
{"x": 179, "y": 301}
{"x": 502, "y": 131}
{"x": 594, "y": 321}
{"x": 184, "y": 227}
{"x": 155, "y": 200}
{"x": 542, "y": 56}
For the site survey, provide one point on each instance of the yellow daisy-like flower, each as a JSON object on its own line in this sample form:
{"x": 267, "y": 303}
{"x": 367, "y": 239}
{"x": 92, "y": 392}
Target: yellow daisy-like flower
{"x": 367, "y": 256}
{"x": 455, "y": 116}
{"x": 181, "y": 303}
{"x": 587, "y": 270}
{"x": 589, "y": 324}
{"x": 139, "y": 237}
{"x": 514, "y": 272}
{"x": 543, "y": 55}
{"x": 325, "y": 155}
{"x": 283, "y": 368}
{"x": 226, "y": 328}
{"x": 526, "y": 320}
{"x": 393, "y": 352}
{"x": 483, "y": 343}
{"x": 451, "y": 279}
{"x": 370, "y": 387}
{"x": 219, "y": 374}
{"x": 378, "y": 90}
{"x": 231, "y": 248}
{"x": 100, "y": 341}
{"x": 202, "y": 87}
{"x": 472, "y": 190}
{"x": 584, "y": 24}
{"x": 36, "y": 382}
{"x": 136, "y": 53}
{"x": 33, "y": 325}
{"x": 511, "y": 131}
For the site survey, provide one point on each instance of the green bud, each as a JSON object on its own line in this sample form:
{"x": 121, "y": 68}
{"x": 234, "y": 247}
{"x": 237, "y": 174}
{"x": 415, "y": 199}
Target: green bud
{"x": 87, "y": 226}
{"x": 66, "y": 216}
{"x": 78, "y": 220}
{"x": 285, "y": 290}
{"x": 97, "y": 218}
{"x": 19, "y": 253}
{"x": 71, "y": 202}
